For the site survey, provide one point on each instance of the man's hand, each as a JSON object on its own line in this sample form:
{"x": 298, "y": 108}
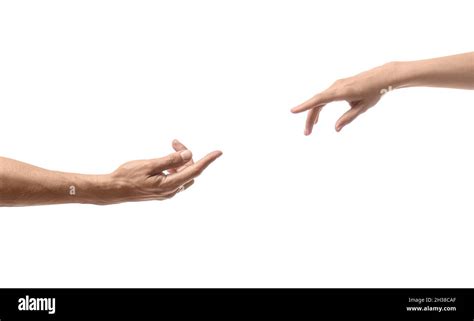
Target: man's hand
{"x": 158, "y": 179}
{"x": 22, "y": 184}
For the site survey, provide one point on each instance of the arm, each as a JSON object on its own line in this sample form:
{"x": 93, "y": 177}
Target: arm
{"x": 23, "y": 184}
{"x": 364, "y": 90}
{"x": 450, "y": 72}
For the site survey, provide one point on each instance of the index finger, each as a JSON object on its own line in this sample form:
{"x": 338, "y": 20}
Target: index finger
{"x": 192, "y": 171}
{"x": 322, "y": 98}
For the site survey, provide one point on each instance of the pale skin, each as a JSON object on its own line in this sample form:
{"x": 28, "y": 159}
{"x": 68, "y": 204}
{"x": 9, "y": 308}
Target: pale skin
{"x": 364, "y": 90}
{"x": 22, "y": 184}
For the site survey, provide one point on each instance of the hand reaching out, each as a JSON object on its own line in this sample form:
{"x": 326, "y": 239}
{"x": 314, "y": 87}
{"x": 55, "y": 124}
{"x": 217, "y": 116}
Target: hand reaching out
{"x": 361, "y": 92}
{"x": 161, "y": 178}
{"x": 141, "y": 180}
{"x": 364, "y": 90}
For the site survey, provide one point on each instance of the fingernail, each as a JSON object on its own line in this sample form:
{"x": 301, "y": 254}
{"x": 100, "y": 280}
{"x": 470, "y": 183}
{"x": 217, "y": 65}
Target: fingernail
{"x": 186, "y": 155}
{"x": 306, "y": 132}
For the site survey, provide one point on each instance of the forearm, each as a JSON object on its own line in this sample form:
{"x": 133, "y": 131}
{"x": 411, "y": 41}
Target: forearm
{"x": 23, "y": 184}
{"x": 139, "y": 180}
{"x": 451, "y": 72}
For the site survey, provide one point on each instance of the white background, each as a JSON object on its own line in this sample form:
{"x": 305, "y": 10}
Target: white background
{"x": 88, "y": 85}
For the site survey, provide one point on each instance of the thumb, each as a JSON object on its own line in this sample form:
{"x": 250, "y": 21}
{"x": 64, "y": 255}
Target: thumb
{"x": 348, "y": 117}
{"x": 171, "y": 161}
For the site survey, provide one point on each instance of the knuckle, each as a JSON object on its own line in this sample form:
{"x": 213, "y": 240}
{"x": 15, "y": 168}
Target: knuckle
{"x": 338, "y": 82}
{"x": 344, "y": 87}
{"x": 349, "y": 90}
{"x": 172, "y": 159}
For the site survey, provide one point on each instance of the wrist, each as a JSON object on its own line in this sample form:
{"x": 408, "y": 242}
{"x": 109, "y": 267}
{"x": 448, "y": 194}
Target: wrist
{"x": 93, "y": 189}
{"x": 396, "y": 74}
{"x": 404, "y": 73}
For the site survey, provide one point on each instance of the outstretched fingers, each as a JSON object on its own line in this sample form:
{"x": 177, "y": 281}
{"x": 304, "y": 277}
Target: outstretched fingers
{"x": 349, "y": 116}
{"x": 190, "y": 172}
{"x": 318, "y": 100}
{"x": 312, "y": 119}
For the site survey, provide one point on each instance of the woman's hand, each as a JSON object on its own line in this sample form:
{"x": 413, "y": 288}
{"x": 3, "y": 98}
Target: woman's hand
{"x": 365, "y": 90}
{"x": 361, "y": 92}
